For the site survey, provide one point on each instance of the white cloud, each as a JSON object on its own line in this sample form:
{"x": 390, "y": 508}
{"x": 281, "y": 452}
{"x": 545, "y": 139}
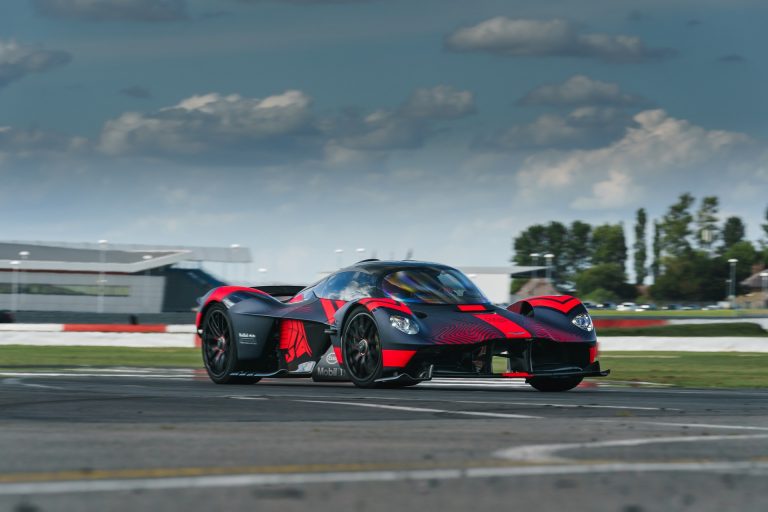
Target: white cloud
{"x": 580, "y": 90}
{"x": 548, "y": 38}
{"x": 28, "y": 143}
{"x": 113, "y": 10}
{"x": 407, "y": 127}
{"x": 282, "y": 125}
{"x": 584, "y": 127}
{"x": 210, "y": 122}
{"x": 18, "y": 60}
{"x": 657, "y": 148}
{"x": 440, "y": 102}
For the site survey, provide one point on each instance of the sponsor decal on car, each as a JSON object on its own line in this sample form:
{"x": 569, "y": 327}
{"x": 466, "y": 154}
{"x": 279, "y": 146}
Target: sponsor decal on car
{"x": 247, "y": 338}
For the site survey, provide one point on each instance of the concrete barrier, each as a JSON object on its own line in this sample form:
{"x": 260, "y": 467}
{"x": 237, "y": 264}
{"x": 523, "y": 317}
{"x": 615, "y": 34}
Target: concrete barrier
{"x": 102, "y": 335}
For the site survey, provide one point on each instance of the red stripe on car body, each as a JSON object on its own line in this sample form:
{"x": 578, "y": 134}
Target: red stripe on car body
{"x": 562, "y": 303}
{"x": 330, "y": 310}
{"x": 337, "y": 351}
{"x": 507, "y": 327}
{"x": 374, "y": 304}
{"x": 472, "y": 307}
{"x": 293, "y": 340}
{"x": 396, "y": 358}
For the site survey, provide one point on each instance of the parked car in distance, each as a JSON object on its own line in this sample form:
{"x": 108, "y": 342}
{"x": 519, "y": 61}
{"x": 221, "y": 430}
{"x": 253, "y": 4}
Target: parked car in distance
{"x": 626, "y": 306}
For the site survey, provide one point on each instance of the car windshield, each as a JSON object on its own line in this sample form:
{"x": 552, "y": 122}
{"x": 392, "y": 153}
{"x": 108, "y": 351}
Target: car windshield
{"x": 431, "y": 286}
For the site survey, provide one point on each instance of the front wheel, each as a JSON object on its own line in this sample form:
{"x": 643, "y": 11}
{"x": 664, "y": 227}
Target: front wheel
{"x": 220, "y": 348}
{"x": 554, "y": 384}
{"x": 361, "y": 346}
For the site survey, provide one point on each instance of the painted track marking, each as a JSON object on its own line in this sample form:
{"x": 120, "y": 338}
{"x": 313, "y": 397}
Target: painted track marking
{"x": 545, "y": 452}
{"x": 242, "y": 480}
{"x": 703, "y": 425}
{"x": 424, "y": 409}
{"x": 479, "y": 402}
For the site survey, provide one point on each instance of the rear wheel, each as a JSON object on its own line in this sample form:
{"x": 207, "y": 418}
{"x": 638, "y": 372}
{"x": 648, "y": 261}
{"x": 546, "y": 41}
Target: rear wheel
{"x": 554, "y": 384}
{"x": 220, "y": 349}
{"x": 361, "y": 346}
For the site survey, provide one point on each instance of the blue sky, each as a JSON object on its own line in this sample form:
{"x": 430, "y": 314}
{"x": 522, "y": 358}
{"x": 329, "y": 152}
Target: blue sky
{"x": 444, "y": 126}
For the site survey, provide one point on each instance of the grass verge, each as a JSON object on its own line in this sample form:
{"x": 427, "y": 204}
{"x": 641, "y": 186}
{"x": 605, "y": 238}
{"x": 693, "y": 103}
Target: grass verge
{"x": 685, "y": 369}
{"x": 679, "y": 313}
{"x": 22, "y": 356}
{"x": 689, "y": 369}
{"x": 693, "y": 330}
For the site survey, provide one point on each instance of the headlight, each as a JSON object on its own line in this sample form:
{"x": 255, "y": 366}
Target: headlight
{"x": 583, "y": 321}
{"x": 404, "y": 324}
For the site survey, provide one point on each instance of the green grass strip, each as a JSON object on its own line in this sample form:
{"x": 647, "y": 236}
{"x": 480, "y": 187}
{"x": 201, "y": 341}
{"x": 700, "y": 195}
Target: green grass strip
{"x": 692, "y": 330}
{"x": 677, "y": 313}
{"x": 689, "y": 369}
{"x": 685, "y": 369}
{"x": 34, "y": 356}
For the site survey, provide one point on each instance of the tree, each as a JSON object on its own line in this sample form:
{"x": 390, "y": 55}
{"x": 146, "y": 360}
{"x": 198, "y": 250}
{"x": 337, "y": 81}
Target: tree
{"x": 556, "y": 239}
{"x": 606, "y": 276}
{"x": 696, "y": 277}
{"x": 747, "y": 255}
{"x": 641, "y": 249}
{"x": 544, "y": 239}
{"x": 676, "y": 227}
{"x": 765, "y": 230}
{"x": 656, "y": 264}
{"x": 733, "y": 232}
{"x": 706, "y": 223}
{"x": 578, "y": 249}
{"x": 530, "y": 241}
{"x": 609, "y": 245}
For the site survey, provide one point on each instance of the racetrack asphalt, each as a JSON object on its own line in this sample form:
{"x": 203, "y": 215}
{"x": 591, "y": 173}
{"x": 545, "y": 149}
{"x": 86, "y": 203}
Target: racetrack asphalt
{"x": 140, "y": 439}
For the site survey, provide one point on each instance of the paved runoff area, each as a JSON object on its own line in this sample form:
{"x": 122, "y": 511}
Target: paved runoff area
{"x": 125, "y": 439}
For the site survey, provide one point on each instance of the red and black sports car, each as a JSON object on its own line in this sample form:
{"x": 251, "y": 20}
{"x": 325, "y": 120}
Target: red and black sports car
{"x": 394, "y": 323}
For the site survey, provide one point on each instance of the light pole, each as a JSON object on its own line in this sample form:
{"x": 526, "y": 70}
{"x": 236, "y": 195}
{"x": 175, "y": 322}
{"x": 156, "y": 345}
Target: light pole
{"x": 535, "y": 260}
{"x": 15, "y": 285}
{"x": 262, "y": 275}
{"x": 24, "y": 255}
{"x": 764, "y": 275}
{"x": 338, "y": 252}
{"x": 102, "y": 280}
{"x": 360, "y": 251}
{"x": 733, "y": 262}
{"x": 549, "y": 257}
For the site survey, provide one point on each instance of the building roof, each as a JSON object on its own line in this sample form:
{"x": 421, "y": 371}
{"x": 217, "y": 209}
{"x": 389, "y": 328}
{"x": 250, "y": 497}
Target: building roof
{"x": 122, "y": 258}
{"x": 755, "y": 281}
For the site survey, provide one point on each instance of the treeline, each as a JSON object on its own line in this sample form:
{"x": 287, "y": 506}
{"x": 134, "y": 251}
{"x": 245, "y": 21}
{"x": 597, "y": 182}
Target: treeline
{"x": 687, "y": 258}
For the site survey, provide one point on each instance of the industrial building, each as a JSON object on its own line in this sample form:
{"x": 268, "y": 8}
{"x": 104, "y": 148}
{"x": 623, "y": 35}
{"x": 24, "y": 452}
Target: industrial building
{"x": 108, "y": 278}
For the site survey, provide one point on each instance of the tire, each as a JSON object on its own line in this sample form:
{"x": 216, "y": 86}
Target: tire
{"x": 219, "y": 348}
{"x": 361, "y": 349}
{"x": 554, "y": 384}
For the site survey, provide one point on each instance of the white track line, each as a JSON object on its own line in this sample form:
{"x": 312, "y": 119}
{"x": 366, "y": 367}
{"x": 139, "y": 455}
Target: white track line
{"x": 702, "y": 425}
{"x": 424, "y": 409}
{"x": 545, "y": 452}
{"x": 248, "y": 480}
{"x": 572, "y": 406}
{"x": 51, "y": 374}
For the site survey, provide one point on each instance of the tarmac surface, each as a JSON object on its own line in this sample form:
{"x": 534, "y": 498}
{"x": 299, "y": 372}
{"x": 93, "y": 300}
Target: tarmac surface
{"x": 139, "y": 439}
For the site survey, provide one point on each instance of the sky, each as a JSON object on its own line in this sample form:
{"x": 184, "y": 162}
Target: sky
{"x": 437, "y": 127}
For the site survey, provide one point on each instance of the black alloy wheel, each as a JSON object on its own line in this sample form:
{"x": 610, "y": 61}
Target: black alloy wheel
{"x": 361, "y": 349}
{"x": 219, "y": 348}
